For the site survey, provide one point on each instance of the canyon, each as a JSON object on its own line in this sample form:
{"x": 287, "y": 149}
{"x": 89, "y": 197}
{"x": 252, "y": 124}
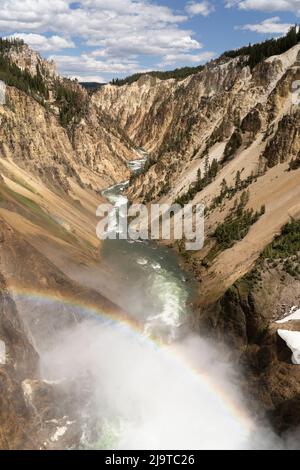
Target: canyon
{"x": 227, "y": 137}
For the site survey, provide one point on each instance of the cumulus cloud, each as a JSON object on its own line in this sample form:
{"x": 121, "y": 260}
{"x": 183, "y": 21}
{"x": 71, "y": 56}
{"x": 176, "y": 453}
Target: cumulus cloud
{"x": 203, "y": 8}
{"x": 147, "y": 42}
{"x": 192, "y": 59}
{"x": 268, "y": 26}
{"x": 85, "y": 66}
{"x": 117, "y": 30}
{"x": 43, "y": 43}
{"x": 88, "y": 78}
{"x": 292, "y": 6}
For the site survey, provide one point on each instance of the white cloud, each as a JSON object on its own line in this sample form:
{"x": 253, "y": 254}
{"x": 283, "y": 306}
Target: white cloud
{"x": 193, "y": 59}
{"x": 120, "y": 31}
{"x": 147, "y": 42}
{"x": 44, "y": 44}
{"x": 85, "y": 66}
{"x": 203, "y": 8}
{"x": 268, "y": 26}
{"x": 57, "y": 16}
{"x": 88, "y": 78}
{"x": 266, "y": 5}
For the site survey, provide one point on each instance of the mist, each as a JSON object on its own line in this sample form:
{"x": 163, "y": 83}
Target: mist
{"x": 181, "y": 392}
{"x": 178, "y": 396}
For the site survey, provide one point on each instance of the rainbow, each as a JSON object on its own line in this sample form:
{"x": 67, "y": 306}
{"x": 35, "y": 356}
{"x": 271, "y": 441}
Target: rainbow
{"x": 131, "y": 327}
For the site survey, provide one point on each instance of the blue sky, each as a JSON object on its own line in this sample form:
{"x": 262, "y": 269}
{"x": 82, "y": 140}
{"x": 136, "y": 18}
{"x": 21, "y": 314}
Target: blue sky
{"x": 96, "y": 40}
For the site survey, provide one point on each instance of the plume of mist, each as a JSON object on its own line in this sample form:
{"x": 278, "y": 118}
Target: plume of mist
{"x": 181, "y": 396}
{"x": 184, "y": 395}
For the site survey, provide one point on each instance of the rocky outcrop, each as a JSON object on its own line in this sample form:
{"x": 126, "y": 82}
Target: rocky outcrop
{"x": 252, "y": 122}
{"x": 286, "y": 142}
{"x": 31, "y": 411}
{"x": 102, "y": 149}
{"x": 31, "y": 61}
{"x": 244, "y": 318}
{"x": 233, "y": 145}
{"x": 33, "y": 138}
{"x": 34, "y": 414}
{"x": 18, "y": 361}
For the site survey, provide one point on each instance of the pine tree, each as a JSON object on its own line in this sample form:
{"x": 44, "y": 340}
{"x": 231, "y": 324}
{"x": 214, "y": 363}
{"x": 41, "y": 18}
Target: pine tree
{"x": 243, "y": 201}
{"x": 206, "y": 167}
{"x": 214, "y": 168}
{"x": 199, "y": 175}
{"x": 224, "y": 187}
{"x": 238, "y": 180}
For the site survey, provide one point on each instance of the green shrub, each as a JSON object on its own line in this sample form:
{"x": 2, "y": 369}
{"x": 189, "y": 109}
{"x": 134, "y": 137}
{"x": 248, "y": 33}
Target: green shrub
{"x": 230, "y": 191}
{"x": 72, "y": 102}
{"x": 12, "y": 75}
{"x": 286, "y": 244}
{"x": 295, "y": 163}
{"x": 237, "y": 224}
{"x": 210, "y": 172}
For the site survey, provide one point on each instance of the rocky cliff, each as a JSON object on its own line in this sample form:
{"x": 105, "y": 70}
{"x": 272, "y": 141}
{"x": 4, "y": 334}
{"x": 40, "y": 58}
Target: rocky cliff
{"x": 93, "y": 153}
{"x": 32, "y": 411}
{"x": 27, "y": 59}
{"x": 50, "y": 126}
{"x": 246, "y": 318}
{"x": 179, "y": 122}
{"x": 18, "y": 362}
{"x": 36, "y": 413}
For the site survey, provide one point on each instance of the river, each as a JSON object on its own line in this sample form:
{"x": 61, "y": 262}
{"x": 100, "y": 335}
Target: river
{"x": 150, "y": 269}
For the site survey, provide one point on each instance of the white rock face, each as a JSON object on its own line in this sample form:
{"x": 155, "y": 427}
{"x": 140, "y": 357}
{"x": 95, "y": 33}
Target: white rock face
{"x": 2, "y": 92}
{"x": 2, "y": 353}
{"x": 292, "y": 339}
{"x": 59, "y": 433}
{"x": 288, "y": 58}
{"x": 27, "y": 59}
{"x": 27, "y": 390}
{"x": 294, "y": 315}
